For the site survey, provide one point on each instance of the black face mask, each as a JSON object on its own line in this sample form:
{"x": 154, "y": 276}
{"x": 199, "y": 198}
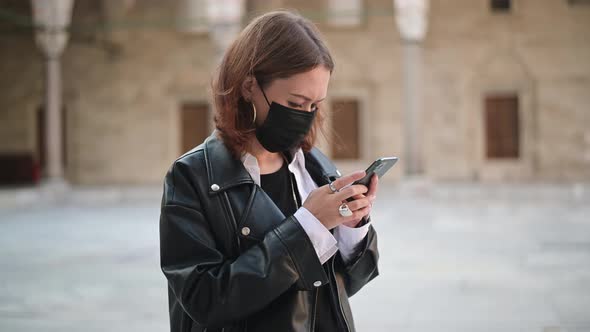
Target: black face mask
{"x": 284, "y": 127}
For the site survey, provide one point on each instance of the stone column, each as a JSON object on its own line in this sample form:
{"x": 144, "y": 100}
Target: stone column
{"x": 345, "y": 13}
{"x": 51, "y": 20}
{"x": 225, "y": 23}
{"x": 412, "y": 17}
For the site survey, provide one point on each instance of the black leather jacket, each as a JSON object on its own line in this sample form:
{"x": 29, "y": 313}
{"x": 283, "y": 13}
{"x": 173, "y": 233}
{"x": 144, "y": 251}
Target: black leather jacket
{"x": 223, "y": 279}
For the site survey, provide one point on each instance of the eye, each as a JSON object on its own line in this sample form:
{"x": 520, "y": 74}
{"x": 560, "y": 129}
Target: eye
{"x": 292, "y": 104}
{"x": 314, "y": 107}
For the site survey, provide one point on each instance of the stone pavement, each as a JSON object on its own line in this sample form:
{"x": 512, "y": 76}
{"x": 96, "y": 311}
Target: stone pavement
{"x": 454, "y": 257}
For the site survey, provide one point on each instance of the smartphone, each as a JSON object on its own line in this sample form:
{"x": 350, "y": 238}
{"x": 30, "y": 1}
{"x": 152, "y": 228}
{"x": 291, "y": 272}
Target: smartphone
{"x": 379, "y": 167}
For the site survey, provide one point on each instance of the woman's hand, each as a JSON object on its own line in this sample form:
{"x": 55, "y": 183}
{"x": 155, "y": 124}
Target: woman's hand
{"x": 371, "y": 195}
{"x": 323, "y": 203}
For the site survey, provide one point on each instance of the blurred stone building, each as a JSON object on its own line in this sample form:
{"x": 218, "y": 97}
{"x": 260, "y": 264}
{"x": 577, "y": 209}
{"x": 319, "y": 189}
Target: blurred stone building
{"x": 486, "y": 90}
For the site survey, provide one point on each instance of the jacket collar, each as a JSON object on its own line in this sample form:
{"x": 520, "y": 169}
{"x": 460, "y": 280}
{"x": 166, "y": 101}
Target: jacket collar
{"x": 223, "y": 169}
{"x": 295, "y": 160}
{"x": 226, "y": 172}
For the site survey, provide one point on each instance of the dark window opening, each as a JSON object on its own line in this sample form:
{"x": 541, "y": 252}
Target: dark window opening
{"x": 500, "y": 5}
{"x": 578, "y": 2}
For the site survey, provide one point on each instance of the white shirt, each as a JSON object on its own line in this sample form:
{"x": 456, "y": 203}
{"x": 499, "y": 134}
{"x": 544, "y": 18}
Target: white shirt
{"x": 325, "y": 244}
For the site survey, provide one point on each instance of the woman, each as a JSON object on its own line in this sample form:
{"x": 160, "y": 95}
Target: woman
{"x": 258, "y": 231}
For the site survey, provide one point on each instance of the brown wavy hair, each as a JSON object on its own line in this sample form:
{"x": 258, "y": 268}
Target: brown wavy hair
{"x": 275, "y": 45}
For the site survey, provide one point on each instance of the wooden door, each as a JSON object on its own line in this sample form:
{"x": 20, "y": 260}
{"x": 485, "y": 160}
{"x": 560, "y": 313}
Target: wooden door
{"x": 345, "y": 129}
{"x": 194, "y": 126}
{"x": 502, "y": 127}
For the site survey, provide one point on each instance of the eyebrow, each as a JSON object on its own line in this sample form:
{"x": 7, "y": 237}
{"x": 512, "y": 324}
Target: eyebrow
{"x": 304, "y": 97}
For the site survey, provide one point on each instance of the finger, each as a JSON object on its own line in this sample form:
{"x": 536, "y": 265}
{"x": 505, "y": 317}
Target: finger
{"x": 360, "y": 214}
{"x": 351, "y": 191}
{"x": 348, "y": 179}
{"x": 373, "y": 186}
{"x": 359, "y": 204}
{"x": 359, "y": 196}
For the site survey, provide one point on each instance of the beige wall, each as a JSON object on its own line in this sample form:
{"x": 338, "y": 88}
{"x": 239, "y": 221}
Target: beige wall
{"x": 126, "y": 130}
{"x": 125, "y": 120}
{"x": 21, "y": 93}
{"x": 123, "y": 90}
{"x": 368, "y": 67}
{"x": 541, "y": 51}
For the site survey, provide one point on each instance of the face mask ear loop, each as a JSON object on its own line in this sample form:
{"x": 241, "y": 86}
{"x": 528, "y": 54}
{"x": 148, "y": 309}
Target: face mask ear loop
{"x": 264, "y": 94}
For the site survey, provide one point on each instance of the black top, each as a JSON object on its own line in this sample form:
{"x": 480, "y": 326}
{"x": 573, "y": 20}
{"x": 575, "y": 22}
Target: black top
{"x": 277, "y": 186}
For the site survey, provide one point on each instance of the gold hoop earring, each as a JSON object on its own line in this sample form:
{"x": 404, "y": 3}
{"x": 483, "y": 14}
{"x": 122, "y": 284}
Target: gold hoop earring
{"x": 254, "y": 117}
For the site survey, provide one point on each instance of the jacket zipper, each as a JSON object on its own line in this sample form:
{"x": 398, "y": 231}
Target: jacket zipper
{"x": 338, "y": 296}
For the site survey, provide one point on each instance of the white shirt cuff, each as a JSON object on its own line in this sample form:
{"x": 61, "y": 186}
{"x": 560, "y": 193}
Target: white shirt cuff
{"x": 348, "y": 238}
{"x": 323, "y": 241}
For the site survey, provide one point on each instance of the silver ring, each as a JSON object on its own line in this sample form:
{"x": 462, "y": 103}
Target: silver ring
{"x": 333, "y": 188}
{"x": 344, "y": 210}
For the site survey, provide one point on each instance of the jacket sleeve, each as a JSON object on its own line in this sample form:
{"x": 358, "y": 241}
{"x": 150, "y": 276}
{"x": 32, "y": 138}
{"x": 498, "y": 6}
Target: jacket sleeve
{"x": 362, "y": 268}
{"x": 213, "y": 289}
